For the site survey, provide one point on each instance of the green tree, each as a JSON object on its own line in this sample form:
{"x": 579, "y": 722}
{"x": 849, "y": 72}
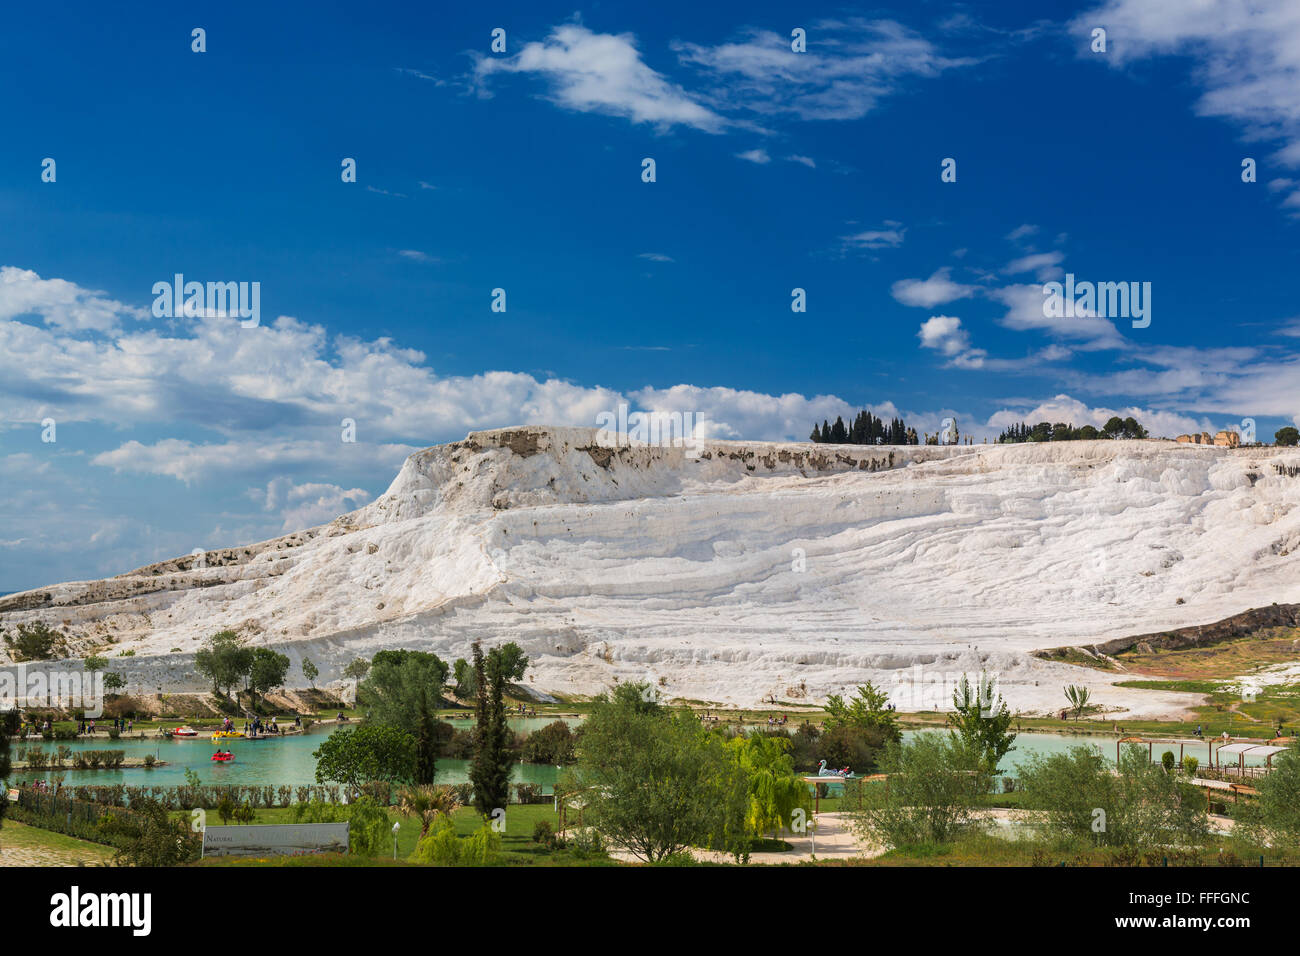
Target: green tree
{"x": 368, "y": 824}
{"x": 36, "y": 641}
{"x": 512, "y": 661}
{"x": 357, "y": 669}
{"x": 1075, "y": 796}
{"x": 156, "y": 838}
{"x": 114, "y": 681}
{"x": 1273, "y": 817}
{"x": 869, "y": 708}
{"x": 403, "y": 689}
{"x": 267, "y": 670}
{"x": 463, "y": 685}
{"x": 490, "y": 767}
{"x": 931, "y": 797}
{"x": 310, "y": 671}
{"x": 981, "y": 724}
{"x": 9, "y": 722}
{"x": 371, "y": 752}
{"x": 773, "y": 790}
{"x": 224, "y": 660}
{"x": 1078, "y": 695}
{"x": 1287, "y": 436}
{"x": 554, "y": 744}
{"x": 93, "y": 663}
{"x": 657, "y": 783}
{"x": 1114, "y": 427}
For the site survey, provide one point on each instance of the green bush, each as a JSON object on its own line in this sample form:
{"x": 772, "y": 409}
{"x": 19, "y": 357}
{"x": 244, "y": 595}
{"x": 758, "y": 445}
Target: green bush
{"x": 932, "y": 794}
{"x": 367, "y": 822}
{"x": 1075, "y": 796}
{"x": 1167, "y": 761}
{"x": 554, "y": 744}
{"x": 543, "y": 834}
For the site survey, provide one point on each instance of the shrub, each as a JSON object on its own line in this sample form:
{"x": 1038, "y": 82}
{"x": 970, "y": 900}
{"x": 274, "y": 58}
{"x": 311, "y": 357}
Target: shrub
{"x": 1167, "y": 761}
{"x": 1190, "y": 764}
{"x": 931, "y": 797}
{"x": 482, "y": 847}
{"x": 1075, "y": 796}
{"x": 161, "y": 840}
{"x": 440, "y": 845}
{"x": 543, "y": 834}
{"x": 367, "y": 822}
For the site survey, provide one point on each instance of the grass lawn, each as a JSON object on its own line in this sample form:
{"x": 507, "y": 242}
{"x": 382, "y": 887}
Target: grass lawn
{"x": 517, "y": 846}
{"x": 21, "y": 845}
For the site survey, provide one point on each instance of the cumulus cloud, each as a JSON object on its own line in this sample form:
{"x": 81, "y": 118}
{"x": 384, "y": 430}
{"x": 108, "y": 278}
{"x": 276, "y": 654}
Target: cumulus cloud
{"x": 1070, "y": 411}
{"x": 927, "y": 293}
{"x": 603, "y": 73}
{"x": 60, "y": 304}
{"x": 308, "y": 504}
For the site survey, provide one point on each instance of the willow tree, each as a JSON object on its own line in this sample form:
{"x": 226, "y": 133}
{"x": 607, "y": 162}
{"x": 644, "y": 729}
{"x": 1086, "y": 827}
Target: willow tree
{"x": 774, "y": 791}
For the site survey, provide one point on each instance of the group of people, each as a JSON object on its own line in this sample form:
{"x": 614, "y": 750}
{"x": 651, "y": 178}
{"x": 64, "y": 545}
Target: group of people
{"x": 256, "y": 728}
{"x": 777, "y": 721}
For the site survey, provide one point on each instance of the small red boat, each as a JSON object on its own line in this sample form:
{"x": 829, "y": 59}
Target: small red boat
{"x": 226, "y": 757}
{"x": 182, "y": 732}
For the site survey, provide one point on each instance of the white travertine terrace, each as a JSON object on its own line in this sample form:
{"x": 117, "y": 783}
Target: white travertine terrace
{"x": 640, "y": 563}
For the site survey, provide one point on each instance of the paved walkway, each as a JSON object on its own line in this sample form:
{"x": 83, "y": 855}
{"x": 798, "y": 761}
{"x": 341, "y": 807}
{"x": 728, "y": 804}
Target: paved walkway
{"x": 834, "y": 840}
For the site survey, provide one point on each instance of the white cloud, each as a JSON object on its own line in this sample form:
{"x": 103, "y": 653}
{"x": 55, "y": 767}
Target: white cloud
{"x": 927, "y": 293}
{"x": 1246, "y": 58}
{"x": 849, "y": 67}
{"x": 887, "y": 235}
{"x": 61, "y": 304}
{"x": 309, "y": 504}
{"x": 1024, "y": 304}
{"x": 1071, "y": 411}
{"x": 805, "y": 160}
{"x": 655, "y": 257}
{"x": 603, "y": 73}
{"x": 755, "y": 156}
{"x": 1045, "y": 265}
{"x": 944, "y": 333}
{"x": 415, "y": 255}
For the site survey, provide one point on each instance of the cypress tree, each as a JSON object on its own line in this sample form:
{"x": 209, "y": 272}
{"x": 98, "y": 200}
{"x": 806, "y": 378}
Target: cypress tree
{"x": 490, "y": 767}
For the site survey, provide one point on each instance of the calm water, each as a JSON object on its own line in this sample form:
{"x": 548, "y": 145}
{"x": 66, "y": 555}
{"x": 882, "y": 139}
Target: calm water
{"x": 278, "y": 761}
{"x": 289, "y": 761}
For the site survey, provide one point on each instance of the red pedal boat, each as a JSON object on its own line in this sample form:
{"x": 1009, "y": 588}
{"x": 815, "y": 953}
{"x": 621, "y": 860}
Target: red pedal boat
{"x": 226, "y": 757}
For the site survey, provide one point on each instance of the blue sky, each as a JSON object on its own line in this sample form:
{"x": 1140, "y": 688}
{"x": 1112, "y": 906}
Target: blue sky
{"x": 476, "y": 170}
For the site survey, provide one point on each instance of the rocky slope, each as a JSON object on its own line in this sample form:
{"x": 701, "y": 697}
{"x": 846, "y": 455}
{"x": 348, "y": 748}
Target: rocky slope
{"x": 753, "y": 570}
